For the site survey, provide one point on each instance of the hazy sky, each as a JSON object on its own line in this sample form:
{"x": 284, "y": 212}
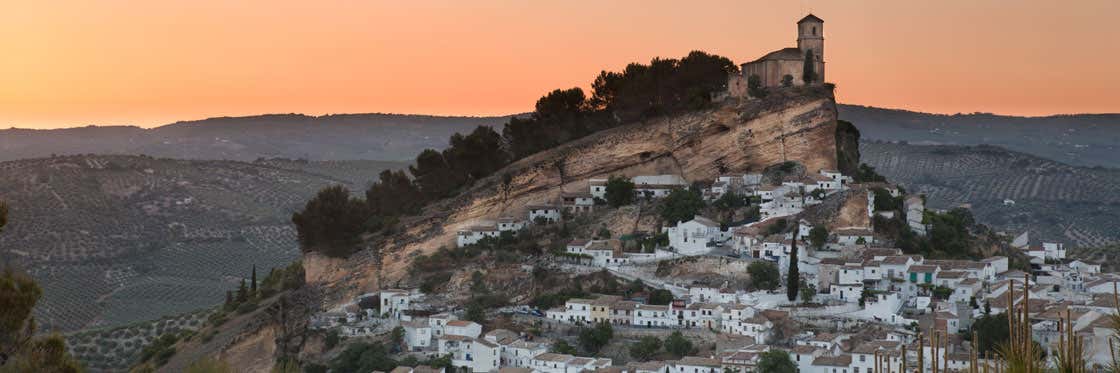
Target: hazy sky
{"x": 68, "y": 63}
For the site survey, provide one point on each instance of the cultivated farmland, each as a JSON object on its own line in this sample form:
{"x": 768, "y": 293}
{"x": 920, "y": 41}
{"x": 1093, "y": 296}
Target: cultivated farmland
{"x": 114, "y": 240}
{"x": 1008, "y": 190}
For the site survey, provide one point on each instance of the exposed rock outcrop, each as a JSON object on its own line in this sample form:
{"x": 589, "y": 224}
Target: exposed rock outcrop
{"x": 733, "y": 136}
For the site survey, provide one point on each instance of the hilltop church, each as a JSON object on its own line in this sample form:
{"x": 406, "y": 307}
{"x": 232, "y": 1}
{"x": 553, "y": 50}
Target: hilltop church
{"x": 775, "y": 65}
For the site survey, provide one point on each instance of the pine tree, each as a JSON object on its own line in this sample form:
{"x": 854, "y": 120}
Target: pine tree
{"x": 253, "y": 282}
{"x": 793, "y": 277}
{"x": 809, "y": 73}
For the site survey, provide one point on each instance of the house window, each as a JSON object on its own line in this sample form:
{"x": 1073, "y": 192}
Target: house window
{"x": 814, "y": 30}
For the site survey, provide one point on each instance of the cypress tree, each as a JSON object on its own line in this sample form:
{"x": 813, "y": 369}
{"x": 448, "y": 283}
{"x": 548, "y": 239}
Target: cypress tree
{"x": 253, "y": 282}
{"x": 242, "y": 293}
{"x": 809, "y": 73}
{"x": 793, "y": 277}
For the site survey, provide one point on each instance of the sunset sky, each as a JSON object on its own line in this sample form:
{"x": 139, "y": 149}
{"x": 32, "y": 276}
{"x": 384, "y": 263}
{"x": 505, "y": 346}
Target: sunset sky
{"x": 147, "y": 63}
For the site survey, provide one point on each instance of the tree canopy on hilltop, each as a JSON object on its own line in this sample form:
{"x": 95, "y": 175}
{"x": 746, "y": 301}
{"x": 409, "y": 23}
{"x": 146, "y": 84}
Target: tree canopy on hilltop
{"x": 640, "y": 91}
{"x": 664, "y": 86}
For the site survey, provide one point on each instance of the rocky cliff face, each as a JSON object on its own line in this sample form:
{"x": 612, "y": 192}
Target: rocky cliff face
{"x": 734, "y": 136}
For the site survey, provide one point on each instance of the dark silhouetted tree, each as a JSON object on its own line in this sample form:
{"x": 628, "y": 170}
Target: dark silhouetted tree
{"x": 660, "y": 297}
{"x": 394, "y": 194}
{"x": 764, "y": 275}
{"x": 776, "y": 361}
{"x": 678, "y": 345}
{"x": 793, "y": 276}
{"x": 645, "y": 348}
{"x": 593, "y": 339}
{"x": 331, "y": 222}
{"x": 681, "y": 205}
{"x": 754, "y": 86}
{"x": 620, "y": 191}
{"x": 242, "y": 292}
{"x": 809, "y": 72}
{"x": 818, "y": 236}
{"x": 433, "y": 175}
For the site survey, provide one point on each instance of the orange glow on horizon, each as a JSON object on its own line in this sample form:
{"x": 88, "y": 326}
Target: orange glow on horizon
{"x": 70, "y": 63}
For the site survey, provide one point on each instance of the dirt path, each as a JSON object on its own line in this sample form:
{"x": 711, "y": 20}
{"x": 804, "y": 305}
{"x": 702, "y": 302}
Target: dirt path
{"x": 195, "y": 350}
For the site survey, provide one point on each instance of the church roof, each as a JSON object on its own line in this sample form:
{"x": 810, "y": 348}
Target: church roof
{"x": 811, "y": 18}
{"x": 787, "y": 54}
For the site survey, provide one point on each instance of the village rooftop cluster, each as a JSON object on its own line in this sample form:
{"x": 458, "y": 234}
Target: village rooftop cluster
{"x": 887, "y": 308}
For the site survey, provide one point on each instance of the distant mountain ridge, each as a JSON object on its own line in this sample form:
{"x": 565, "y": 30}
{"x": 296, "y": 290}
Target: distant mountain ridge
{"x": 1075, "y": 139}
{"x": 329, "y": 137}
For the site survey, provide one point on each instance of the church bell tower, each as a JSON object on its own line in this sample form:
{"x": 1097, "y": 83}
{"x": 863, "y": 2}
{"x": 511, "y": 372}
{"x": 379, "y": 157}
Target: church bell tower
{"x": 810, "y": 36}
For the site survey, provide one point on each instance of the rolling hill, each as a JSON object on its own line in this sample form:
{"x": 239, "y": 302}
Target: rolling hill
{"x": 1080, "y": 139}
{"x": 1056, "y": 201}
{"x": 115, "y": 239}
{"x": 328, "y": 137}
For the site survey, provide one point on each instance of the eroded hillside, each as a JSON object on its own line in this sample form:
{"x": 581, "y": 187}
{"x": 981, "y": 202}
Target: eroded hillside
{"x": 731, "y": 137}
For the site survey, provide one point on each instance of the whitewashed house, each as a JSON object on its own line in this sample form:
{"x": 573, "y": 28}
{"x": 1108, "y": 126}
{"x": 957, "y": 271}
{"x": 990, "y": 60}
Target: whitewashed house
{"x": 696, "y": 364}
{"x": 653, "y": 316}
{"x": 700, "y": 315}
{"x": 994, "y": 266}
{"x": 417, "y": 334}
{"x": 1085, "y": 267}
{"x": 472, "y": 235}
{"x": 549, "y": 213}
{"x": 394, "y": 302}
{"x": 696, "y": 236}
{"x": 577, "y": 202}
{"x": 476, "y": 355}
{"x": 854, "y": 236}
{"x": 560, "y": 363}
{"x": 657, "y": 186}
{"x": 510, "y": 224}
{"x": 520, "y": 353}
{"x": 463, "y": 328}
{"x": 439, "y": 321}
{"x": 598, "y": 188}
{"x": 915, "y": 214}
{"x": 836, "y": 175}
{"x": 1053, "y": 250}
{"x": 766, "y": 192}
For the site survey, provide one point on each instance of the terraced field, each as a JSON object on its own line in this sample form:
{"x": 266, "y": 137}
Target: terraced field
{"x": 1076, "y": 205}
{"x": 115, "y": 240}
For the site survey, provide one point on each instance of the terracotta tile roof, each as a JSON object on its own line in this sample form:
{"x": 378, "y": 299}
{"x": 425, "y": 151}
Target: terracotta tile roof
{"x": 549, "y": 356}
{"x": 699, "y": 361}
{"x": 833, "y": 361}
{"x": 923, "y": 268}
